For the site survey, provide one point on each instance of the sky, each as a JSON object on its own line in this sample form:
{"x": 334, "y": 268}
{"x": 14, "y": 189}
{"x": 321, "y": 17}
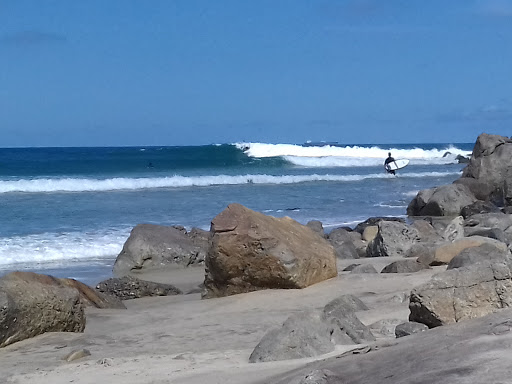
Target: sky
{"x": 194, "y": 72}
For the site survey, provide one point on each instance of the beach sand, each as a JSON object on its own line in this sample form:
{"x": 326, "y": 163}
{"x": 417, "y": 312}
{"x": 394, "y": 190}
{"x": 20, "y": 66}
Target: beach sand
{"x": 183, "y": 339}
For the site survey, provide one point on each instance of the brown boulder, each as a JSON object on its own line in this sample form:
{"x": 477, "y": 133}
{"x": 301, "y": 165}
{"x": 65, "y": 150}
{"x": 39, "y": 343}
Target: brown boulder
{"x": 251, "y": 251}
{"x": 28, "y": 309}
{"x": 446, "y": 252}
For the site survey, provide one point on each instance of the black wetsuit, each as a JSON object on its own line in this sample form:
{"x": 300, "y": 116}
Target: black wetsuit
{"x": 389, "y": 160}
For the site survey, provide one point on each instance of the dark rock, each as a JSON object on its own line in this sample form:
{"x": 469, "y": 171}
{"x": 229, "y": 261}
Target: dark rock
{"x": 462, "y": 159}
{"x": 250, "y": 251}
{"x": 374, "y": 221}
{"x": 404, "y": 266}
{"x": 446, "y": 200}
{"x": 343, "y": 244}
{"x": 408, "y": 328}
{"x": 346, "y": 303}
{"x": 479, "y": 206}
{"x": 154, "y": 246}
{"x": 393, "y": 239}
{"x": 129, "y": 287}
{"x": 484, "y": 252}
{"x": 28, "y": 309}
{"x": 350, "y": 267}
{"x": 492, "y": 233}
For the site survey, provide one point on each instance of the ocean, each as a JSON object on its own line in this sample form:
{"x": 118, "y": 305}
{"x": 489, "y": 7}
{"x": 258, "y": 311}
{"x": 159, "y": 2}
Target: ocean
{"x": 68, "y": 211}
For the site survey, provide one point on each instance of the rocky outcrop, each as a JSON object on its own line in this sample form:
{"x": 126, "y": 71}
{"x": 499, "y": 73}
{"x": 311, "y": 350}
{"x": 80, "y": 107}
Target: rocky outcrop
{"x": 313, "y": 333}
{"x": 372, "y": 221}
{"x": 250, "y": 251}
{"x": 463, "y": 293}
{"x": 479, "y": 206}
{"x": 28, "y": 309}
{"x": 393, "y": 239}
{"x": 409, "y": 328}
{"x": 484, "y": 252}
{"x": 129, "y": 287}
{"x": 153, "y": 246}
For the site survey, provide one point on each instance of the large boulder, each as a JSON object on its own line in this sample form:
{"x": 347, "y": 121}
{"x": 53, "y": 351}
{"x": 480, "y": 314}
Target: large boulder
{"x": 462, "y": 293}
{"x": 154, "y": 246}
{"x": 251, "y": 251}
{"x": 28, "y": 309}
{"x": 479, "y": 206}
{"x": 129, "y": 287}
{"x": 491, "y": 165}
{"x": 393, "y": 239}
{"x": 489, "y": 220}
{"x": 446, "y": 200}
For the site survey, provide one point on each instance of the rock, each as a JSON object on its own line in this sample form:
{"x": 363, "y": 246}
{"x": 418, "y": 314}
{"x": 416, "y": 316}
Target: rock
{"x": 462, "y": 159}
{"x": 462, "y": 293}
{"x": 305, "y": 334}
{"x": 386, "y": 327}
{"x": 479, "y": 206}
{"x": 341, "y": 312}
{"x": 343, "y": 244}
{"x": 408, "y": 328}
{"x": 88, "y": 296}
{"x": 491, "y": 164}
{"x": 473, "y": 255}
{"x": 393, "y": 239}
{"x": 346, "y": 303}
{"x": 446, "y": 200}
{"x": 350, "y": 267}
{"x": 372, "y": 221}
{"x": 445, "y": 253}
{"x": 316, "y": 226}
{"x": 404, "y": 266}
{"x": 492, "y": 233}
{"x": 489, "y": 220}
{"x": 364, "y": 268}
{"x": 250, "y": 251}
{"x": 30, "y": 309}
{"x": 424, "y": 253}
{"x": 77, "y": 354}
{"x": 154, "y": 246}
{"x": 370, "y": 232}
{"x": 427, "y": 233}
{"x": 320, "y": 376}
{"x": 454, "y": 230}
{"x": 129, "y": 287}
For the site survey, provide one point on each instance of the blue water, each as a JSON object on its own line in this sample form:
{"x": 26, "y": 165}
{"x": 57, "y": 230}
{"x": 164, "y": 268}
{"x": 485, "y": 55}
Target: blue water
{"x": 68, "y": 211}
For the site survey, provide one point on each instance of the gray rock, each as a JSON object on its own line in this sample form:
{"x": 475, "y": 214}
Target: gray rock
{"x": 371, "y": 221}
{"x": 489, "y": 220}
{"x": 305, "y": 334}
{"x": 129, "y": 287}
{"x": 385, "y": 327}
{"x": 427, "y": 233}
{"x": 317, "y": 227}
{"x": 409, "y": 328}
{"x": 479, "y": 206}
{"x": 350, "y": 267}
{"x": 462, "y": 293}
{"x": 320, "y": 376}
{"x": 484, "y": 252}
{"x": 153, "y": 246}
{"x": 346, "y": 303}
{"x": 404, "y": 266}
{"x": 454, "y": 230}
{"x": 343, "y": 244}
{"x": 76, "y": 355}
{"x": 446, "y": 200}
{"x": 393, "y": 239}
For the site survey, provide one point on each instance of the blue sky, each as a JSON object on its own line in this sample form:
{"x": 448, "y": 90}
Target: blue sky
{"x": 126, "y": 72}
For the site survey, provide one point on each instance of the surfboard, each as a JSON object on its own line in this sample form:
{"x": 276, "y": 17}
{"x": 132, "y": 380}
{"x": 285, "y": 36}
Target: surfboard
{"x": 397, "y": 164}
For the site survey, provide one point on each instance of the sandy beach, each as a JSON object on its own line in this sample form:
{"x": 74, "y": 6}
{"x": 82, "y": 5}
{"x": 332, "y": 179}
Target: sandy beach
{"x": 184, "y": 339}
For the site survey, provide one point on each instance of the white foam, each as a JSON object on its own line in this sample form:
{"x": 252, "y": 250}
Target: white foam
{"x": 115, "y": 184}
{"x": 61, "y": 247}
{"x": 349, "y": 156}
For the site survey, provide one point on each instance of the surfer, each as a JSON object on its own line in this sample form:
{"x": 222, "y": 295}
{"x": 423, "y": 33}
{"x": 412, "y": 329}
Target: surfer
{"x": 387, "y": 161}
